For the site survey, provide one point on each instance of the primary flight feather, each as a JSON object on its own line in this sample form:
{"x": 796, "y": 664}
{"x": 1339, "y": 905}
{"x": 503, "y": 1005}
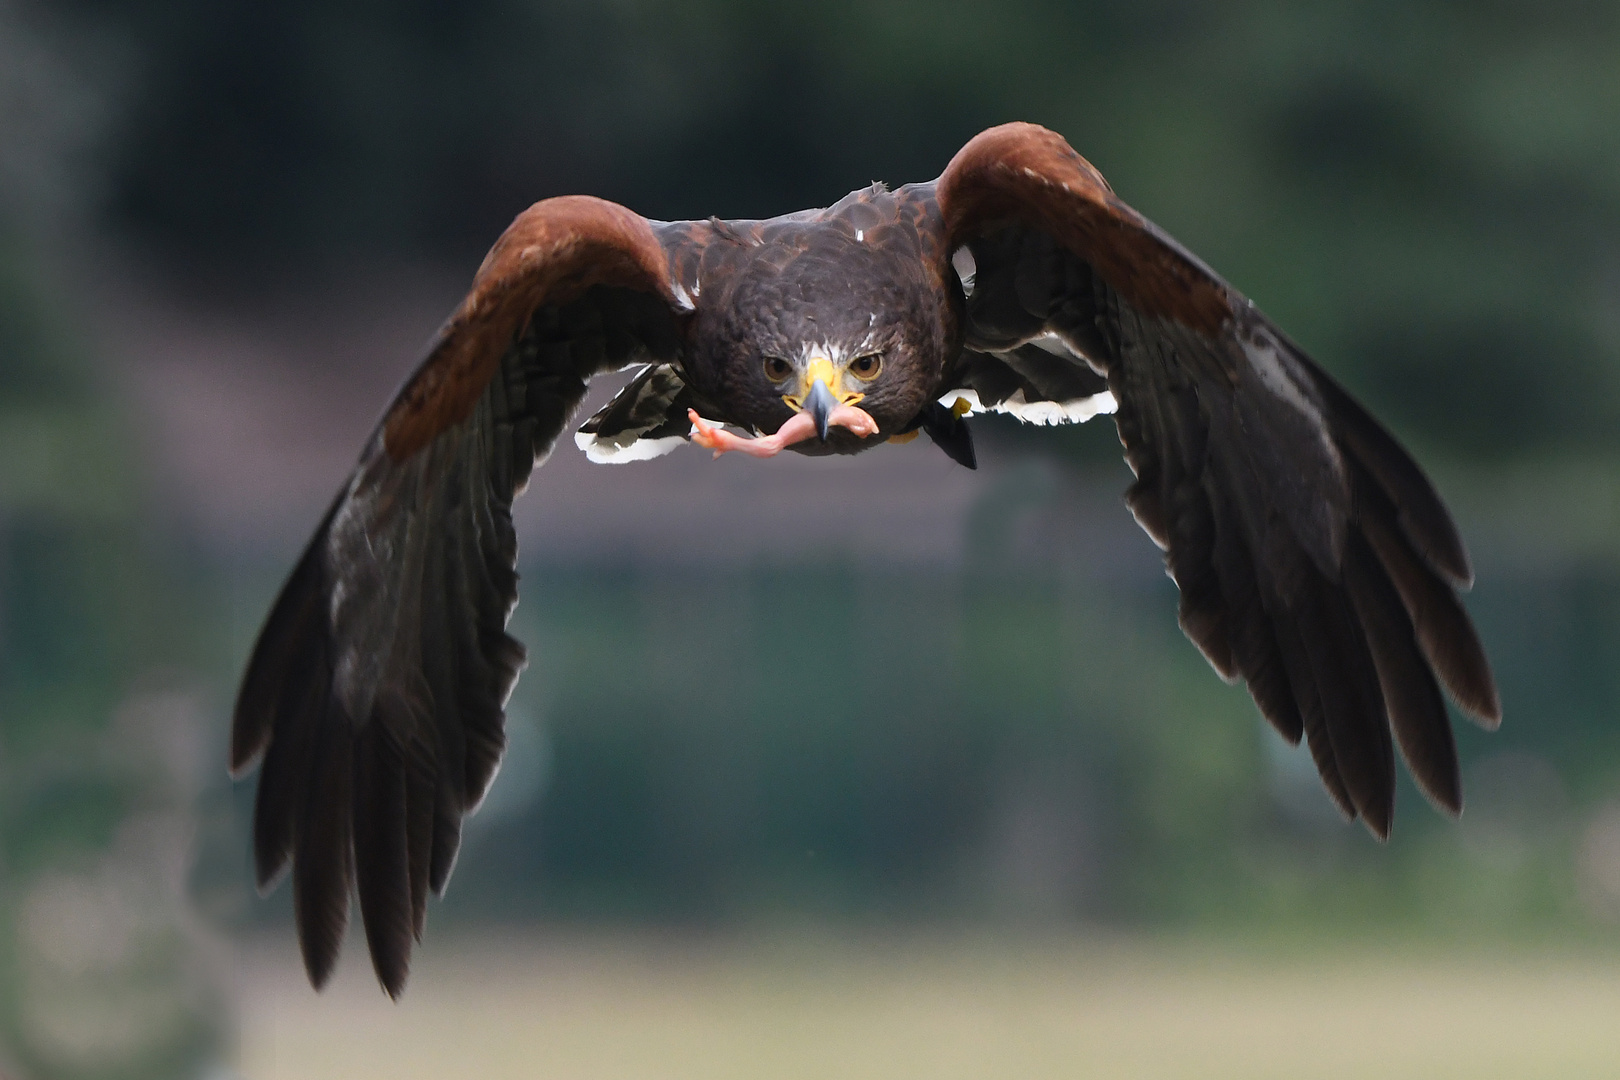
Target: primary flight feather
{"x": 1314, "y": 559}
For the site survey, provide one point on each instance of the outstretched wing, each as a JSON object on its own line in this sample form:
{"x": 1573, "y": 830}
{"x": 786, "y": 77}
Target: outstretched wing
{"x": 1314, "y": 559}
{"x": 374, "y": 697}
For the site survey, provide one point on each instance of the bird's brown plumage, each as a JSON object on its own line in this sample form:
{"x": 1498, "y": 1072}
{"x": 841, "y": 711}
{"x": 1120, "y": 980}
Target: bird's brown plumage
{"x": 1026, "y": 175}
{"x": 552, "y": 253}
{"x": 1315, "y": 561}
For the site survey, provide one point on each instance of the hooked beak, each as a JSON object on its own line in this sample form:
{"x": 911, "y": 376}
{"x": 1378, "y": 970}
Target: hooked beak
{"x": 820, "y": 403}
{"x": 822, "y": 392}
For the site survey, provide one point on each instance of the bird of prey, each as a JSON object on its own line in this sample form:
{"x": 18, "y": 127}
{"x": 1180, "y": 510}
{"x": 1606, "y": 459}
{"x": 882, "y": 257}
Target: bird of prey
{"x": 1314, "y": 559}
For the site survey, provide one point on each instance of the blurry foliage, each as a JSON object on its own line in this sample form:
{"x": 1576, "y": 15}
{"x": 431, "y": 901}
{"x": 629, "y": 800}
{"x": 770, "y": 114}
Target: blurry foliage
{"x": 99, "y": 970}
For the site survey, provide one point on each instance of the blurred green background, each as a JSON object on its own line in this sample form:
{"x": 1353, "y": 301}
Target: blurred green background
{"x": 226, "y": 229}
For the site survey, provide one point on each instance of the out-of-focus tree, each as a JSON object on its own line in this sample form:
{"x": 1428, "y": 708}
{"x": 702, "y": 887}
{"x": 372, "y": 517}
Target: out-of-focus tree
{"x": 103, "y": 975}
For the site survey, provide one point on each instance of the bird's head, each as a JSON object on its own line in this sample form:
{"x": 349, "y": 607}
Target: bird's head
{"x": 831, "y": 327}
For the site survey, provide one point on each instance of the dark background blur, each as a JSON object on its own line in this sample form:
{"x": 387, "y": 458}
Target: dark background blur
{"x": 228, "y": 228}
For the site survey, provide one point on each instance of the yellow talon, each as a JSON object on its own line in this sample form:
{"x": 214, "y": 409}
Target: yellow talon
{"x": 907, "y": 437}
{"x": 961, "y": 406}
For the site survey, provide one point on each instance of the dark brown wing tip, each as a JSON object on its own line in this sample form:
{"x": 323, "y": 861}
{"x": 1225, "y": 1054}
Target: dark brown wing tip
{"x": 1487, "y": 714}
{"x": 1471, "y": 684}
{"x": 393, "y": 985}
{"x": 318, "y": 965}
{"x": 253, "y": 714}
{"x": 1454, "y": 565}
{"x": 1467, "y": 674}
{"x": 392, "y": 967}
{"x": 243, "y": 758}
{"x": 382, "y": 854}
{"x": 552, "y": 253}
{"x": 1450, "y": 804}
{"x": 1422, "y": 515}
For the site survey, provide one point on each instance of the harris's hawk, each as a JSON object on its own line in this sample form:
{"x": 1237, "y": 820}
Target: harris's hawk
{"x": 1314, "y": 559}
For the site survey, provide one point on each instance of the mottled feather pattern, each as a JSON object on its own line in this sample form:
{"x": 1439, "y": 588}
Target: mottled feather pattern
{"x": 650, "y": 412}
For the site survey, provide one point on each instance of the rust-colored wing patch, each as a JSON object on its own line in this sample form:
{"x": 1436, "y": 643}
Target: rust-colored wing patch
{"x": 1026, "y": 174}
{"x": 550, "y": 254}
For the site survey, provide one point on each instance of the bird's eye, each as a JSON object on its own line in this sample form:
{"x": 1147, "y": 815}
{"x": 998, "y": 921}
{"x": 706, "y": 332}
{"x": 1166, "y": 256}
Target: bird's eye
{"x": 777, "y": 369}
{"x": 866, "y": 367}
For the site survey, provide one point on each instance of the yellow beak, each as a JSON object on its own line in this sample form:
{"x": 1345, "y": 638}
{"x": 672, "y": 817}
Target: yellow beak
{"x": 820, "y": 369}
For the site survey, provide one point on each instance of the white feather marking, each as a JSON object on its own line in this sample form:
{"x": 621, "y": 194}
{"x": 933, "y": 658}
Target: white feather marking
{"x": 1040, "y": 413}
{"x": 682, "y": 300}
{"x": 1280, "y": 373}
{"x": 1060, "y": 346}
{"x": 604, "y": 452}
{"x": 1054, "y": 344}
{"x": 1044, "y": 413}
{"x": 962, "y": 262}
{"x": 1278, "y": 376}
{"x": 812, "y": 349}
{"x": 860, "y": 236}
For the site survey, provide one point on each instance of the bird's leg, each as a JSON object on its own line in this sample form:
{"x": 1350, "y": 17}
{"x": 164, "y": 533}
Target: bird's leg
{"x": 800, "y": 426}
{"x": 718, "y": 439}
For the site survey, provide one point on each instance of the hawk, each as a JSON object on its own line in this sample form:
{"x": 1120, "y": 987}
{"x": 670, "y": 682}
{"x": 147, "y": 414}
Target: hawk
{"x": 1315, "y": 561}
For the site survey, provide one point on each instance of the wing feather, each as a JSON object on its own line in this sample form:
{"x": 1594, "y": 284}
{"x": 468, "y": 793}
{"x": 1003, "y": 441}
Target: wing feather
{"x": 381, "y": 846}
{"x": 375, "y": 695}
{"x": 1314, "y": 559}
{"x": 1417, "y": 712}
{"x": 645, "y": 419}
{"x": 323, "y": 858}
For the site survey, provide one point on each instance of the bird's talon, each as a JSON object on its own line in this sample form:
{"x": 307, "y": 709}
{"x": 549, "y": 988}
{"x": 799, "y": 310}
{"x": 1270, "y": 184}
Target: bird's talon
{"x": 704, "y": 433}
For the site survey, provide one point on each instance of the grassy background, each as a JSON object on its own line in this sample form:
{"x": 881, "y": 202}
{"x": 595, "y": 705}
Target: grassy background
{"x": 944, "y": 1006}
